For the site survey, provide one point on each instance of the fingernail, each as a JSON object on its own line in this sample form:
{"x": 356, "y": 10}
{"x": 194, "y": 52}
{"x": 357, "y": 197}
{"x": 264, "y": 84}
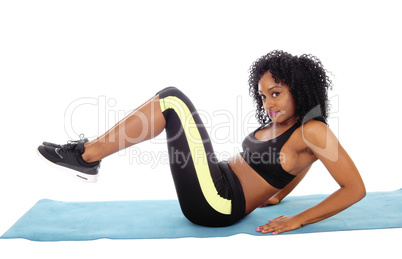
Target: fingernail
{"x": 273, "y": 233}
{"x": 258, "y": 229}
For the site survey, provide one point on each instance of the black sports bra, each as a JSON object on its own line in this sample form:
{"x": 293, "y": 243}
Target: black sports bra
{"x": 264, "y": 157}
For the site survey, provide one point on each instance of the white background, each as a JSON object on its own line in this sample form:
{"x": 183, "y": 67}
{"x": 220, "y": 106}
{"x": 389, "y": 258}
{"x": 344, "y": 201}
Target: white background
{"x": 110, "y": 56}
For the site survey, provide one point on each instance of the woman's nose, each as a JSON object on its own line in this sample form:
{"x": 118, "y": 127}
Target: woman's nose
{"x": 268, "y": 104}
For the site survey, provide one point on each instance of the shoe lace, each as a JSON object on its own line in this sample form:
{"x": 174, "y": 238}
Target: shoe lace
{"x": 71, "y": 144}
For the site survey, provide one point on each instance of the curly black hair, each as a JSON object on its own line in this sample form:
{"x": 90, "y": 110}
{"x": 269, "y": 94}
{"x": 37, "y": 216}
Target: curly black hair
{"x": 304, "y": 75}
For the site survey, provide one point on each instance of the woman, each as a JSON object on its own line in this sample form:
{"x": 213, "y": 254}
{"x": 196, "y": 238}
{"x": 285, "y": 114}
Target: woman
{"x": 290, "y": 93}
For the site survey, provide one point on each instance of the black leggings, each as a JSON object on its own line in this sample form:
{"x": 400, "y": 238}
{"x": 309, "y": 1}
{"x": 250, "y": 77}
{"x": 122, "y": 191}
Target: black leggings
{"x": 209, "y": 192}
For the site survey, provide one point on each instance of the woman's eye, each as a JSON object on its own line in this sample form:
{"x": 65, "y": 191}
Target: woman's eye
{"x": 262, "y": 97}
{"x": 275, "y": 94}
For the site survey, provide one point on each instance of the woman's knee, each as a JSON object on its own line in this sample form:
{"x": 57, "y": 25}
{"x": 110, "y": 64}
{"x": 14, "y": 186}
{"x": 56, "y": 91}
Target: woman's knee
{"x": 169, "y": 91}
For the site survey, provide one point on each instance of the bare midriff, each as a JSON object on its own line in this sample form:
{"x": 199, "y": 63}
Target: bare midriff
{"x": 256, "y": 189}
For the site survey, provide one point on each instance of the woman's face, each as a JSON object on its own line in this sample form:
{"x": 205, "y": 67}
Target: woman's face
{"x": 277, "y": 100}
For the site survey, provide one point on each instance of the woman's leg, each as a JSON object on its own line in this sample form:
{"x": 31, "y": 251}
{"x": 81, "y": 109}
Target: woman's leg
{"x": 209, "y": 192}
{"x": 145, "y": 122}
{"x": 84, "y": 159}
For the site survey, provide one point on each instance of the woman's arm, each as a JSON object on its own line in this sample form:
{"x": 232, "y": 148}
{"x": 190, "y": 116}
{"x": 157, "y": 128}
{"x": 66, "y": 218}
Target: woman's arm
{"x": 279, "y": 196}
{"x": 326, "y": 147}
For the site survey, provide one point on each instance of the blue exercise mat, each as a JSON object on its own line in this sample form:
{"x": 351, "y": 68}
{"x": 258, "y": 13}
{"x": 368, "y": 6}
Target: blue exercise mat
{"x": 51, "y": 220}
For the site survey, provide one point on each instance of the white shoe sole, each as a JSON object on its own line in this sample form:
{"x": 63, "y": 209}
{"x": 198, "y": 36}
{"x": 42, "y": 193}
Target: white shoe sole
{"x": 83, "y": 177}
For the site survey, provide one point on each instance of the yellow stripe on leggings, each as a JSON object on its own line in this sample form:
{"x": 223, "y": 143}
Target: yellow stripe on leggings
{"x": 198, "y": 154}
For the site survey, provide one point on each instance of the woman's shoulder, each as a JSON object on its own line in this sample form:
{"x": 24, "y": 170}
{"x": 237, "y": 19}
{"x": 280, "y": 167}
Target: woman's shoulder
{"x": 317, "y": 134}
{"x": 314, "y": 127}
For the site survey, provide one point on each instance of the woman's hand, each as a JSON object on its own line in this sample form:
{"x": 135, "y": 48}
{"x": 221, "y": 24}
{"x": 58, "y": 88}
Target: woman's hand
{"x": 280, "y": 224}
{"x": 280, "y": 195}
{"x": 273, "y": 201}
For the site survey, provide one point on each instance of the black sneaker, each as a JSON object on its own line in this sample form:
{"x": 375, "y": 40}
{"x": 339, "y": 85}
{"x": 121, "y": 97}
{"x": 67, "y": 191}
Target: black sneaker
{"x": 69, "y": 156}
{"x": 82, "y": 139}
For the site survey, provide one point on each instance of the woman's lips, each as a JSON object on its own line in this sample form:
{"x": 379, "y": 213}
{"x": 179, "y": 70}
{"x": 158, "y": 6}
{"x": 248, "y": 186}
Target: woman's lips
{"x": 272, "y": 113}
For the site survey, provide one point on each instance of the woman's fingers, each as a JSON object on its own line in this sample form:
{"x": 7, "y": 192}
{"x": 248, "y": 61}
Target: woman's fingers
{"x": 270, "y": 202}
{"x": 276, "y": 219}
{"x": 279, "y": 225}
